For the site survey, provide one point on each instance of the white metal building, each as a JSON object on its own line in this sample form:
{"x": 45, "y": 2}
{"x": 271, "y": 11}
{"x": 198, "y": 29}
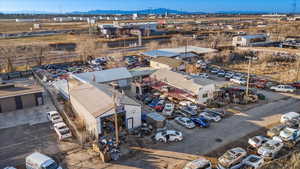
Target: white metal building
{"x": 121, "y": 76}
{"x": 94, "y": 102}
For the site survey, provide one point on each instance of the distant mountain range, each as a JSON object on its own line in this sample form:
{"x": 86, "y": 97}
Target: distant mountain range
{"x": 129, "y": 12}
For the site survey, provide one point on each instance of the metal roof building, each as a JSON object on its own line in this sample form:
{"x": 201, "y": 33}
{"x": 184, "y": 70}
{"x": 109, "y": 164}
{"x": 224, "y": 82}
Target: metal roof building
{"x": 188, "y": 51}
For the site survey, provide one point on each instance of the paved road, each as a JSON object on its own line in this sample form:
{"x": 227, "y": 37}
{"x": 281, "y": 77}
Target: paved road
{"x": 18, "y": 142}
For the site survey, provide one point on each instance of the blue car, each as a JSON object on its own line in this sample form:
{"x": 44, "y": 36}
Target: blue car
{"x": 201, "y": 121}
{"x": 153, "y": 103}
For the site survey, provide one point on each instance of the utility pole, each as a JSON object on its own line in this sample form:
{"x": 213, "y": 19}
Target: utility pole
{"x": 298, "y": 68}
{"x": 248, "y": 78}
{"x": 116, "y": 118}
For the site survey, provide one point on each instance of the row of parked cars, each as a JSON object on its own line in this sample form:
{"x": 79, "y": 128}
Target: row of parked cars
{"x": 261, "y": 148}
{"x": 61, "y": 129}
{"x": 241, "y": 79}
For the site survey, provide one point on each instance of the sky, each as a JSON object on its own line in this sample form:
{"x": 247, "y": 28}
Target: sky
{"x": 186, "y": 5}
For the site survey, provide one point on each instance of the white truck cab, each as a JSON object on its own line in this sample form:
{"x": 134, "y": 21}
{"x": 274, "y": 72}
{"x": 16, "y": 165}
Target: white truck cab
{"x": 40, "y": 161}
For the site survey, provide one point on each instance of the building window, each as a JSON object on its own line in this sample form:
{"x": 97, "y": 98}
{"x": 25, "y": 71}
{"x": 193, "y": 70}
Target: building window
{"x": 205, "y": 95}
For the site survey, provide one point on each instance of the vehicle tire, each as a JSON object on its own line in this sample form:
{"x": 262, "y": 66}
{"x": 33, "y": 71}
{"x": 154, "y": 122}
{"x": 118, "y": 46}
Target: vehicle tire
{"x": 161, "y": 140}
{"x": 176, "y": 140}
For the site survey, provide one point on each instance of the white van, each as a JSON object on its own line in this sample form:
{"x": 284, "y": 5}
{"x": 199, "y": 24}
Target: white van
{"x": 289, "y": 116}
{"x": 40, "y": 161}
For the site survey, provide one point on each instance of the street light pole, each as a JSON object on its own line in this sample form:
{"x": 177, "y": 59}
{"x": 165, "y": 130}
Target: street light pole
{"x": 116, "y": 119}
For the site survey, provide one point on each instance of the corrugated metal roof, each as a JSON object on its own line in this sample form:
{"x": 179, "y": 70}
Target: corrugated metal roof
{"x": 173, "y": 52}
{"x": 194, "y": 49}
{"x": 177, "y": 80}
{"x": 103, "y": 76}
{"x": 95, "y": 101}
{"x": 142, "y": 71}
{"x": 254, "y": 36}
{"x": 158, "y": 53}
{"x": 98, "y": 98}
{"x": 168, "y": 61}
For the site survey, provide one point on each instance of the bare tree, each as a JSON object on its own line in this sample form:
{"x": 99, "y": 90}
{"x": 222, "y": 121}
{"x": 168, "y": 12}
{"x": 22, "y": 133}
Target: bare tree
{"x": 153, "y": 45}
{"x": 86, "y": 48}
{"x": 38, "y": 53}
{"x": 9, "y": 54}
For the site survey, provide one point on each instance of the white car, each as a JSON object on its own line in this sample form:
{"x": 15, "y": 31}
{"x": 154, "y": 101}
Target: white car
{"x": 186, "y": 122}
{"x": 54, "y": 117}
{"x": 188, "y": 104}
{"x": 168, "y": 109}
{"x": 239, "y": 81}
{"x": 200, "y": 163}
{"x": 62, "y": 131}
{"x": 290, "y": 135}
{"x": 232, "y": 159}
{"x": 173, "y": 136}
{"x": 229, "y": 75}
{"x": 283, "y": 88}
{"x": 252, "y": 161}
{"x": 61, "y": 126}
{"x": 270, "y": 149}
{"x": 257, "y": 141}
{"x": 289, "y": 117}
{"x": 210, "y": 116}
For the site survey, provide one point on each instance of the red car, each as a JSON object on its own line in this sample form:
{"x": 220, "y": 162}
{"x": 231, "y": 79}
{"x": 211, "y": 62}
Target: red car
{"x": 296, "y": 85}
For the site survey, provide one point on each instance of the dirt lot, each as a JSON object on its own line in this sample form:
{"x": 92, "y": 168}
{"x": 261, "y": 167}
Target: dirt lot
{"x": 211, "y": 142}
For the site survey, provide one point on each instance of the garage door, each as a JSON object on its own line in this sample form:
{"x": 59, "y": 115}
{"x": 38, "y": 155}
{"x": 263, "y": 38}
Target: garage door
{"x": 28, "y": 100}
{"x": 8, "y": 104}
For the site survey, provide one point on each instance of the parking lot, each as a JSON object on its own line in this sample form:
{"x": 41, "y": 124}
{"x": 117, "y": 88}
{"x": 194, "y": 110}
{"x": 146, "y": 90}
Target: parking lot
{"x": 201, "y": 141}
{"x": 18, "y": 142}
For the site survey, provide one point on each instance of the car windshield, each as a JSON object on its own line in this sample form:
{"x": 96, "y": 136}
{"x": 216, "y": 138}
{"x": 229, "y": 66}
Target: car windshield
{"x": 62, "y": 127}
{"x": 269, "y": 146}
{"x": 189, "y": 121}
{"x": 229, "y": 155}
{"x": 287, "y": 131}
{"x": 65, "y": 132}
{"x": 56, "y": 118}
{"x": 253, "y": 159}
{"x": 255, "y": 139}
{"x": 52, "y": 166}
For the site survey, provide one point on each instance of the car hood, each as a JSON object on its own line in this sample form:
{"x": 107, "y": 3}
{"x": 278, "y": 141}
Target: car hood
{"x": 264, "y": 151}
{"x": 224, "y": 161}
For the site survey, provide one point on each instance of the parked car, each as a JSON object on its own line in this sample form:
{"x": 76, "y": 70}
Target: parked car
{"x": 289, "y": 116}
{"x": 203, "y": 75}
{"x": 62, "y": 131}
{"x": 239, "y": 81}
{"x": 160, "y": 105}
{"x": 283, "y": 88}
{"x": 229, "y": 75}
{"x": 189, "y": 111}
{"x": 54, "y": 117}
{"x": 275, "y": 131}
{"x": 232, "y": 158}
{"x": 290, "y": 135}
{"x": 148, "y": 99}
{"x": 172, "y": 134}
{"x": 153, "y": 103}
{"x": 270, "y": 149}
{"x": 200, "y": 163}
{"x": 168, "y": 109}
{"x": 257, "y": 141}
{"x": 252, "y": 162}
{"x": 180, "y": 113}
{"x": 296, "y": 85}
{"x": 186, "y": 122}
{"x": 221, "y": 113}
{"x": 221, "y": 73}
{"x": 201, "y": 121}
{"x": 210, "y": 117}
{"x": 214, "y": 70}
